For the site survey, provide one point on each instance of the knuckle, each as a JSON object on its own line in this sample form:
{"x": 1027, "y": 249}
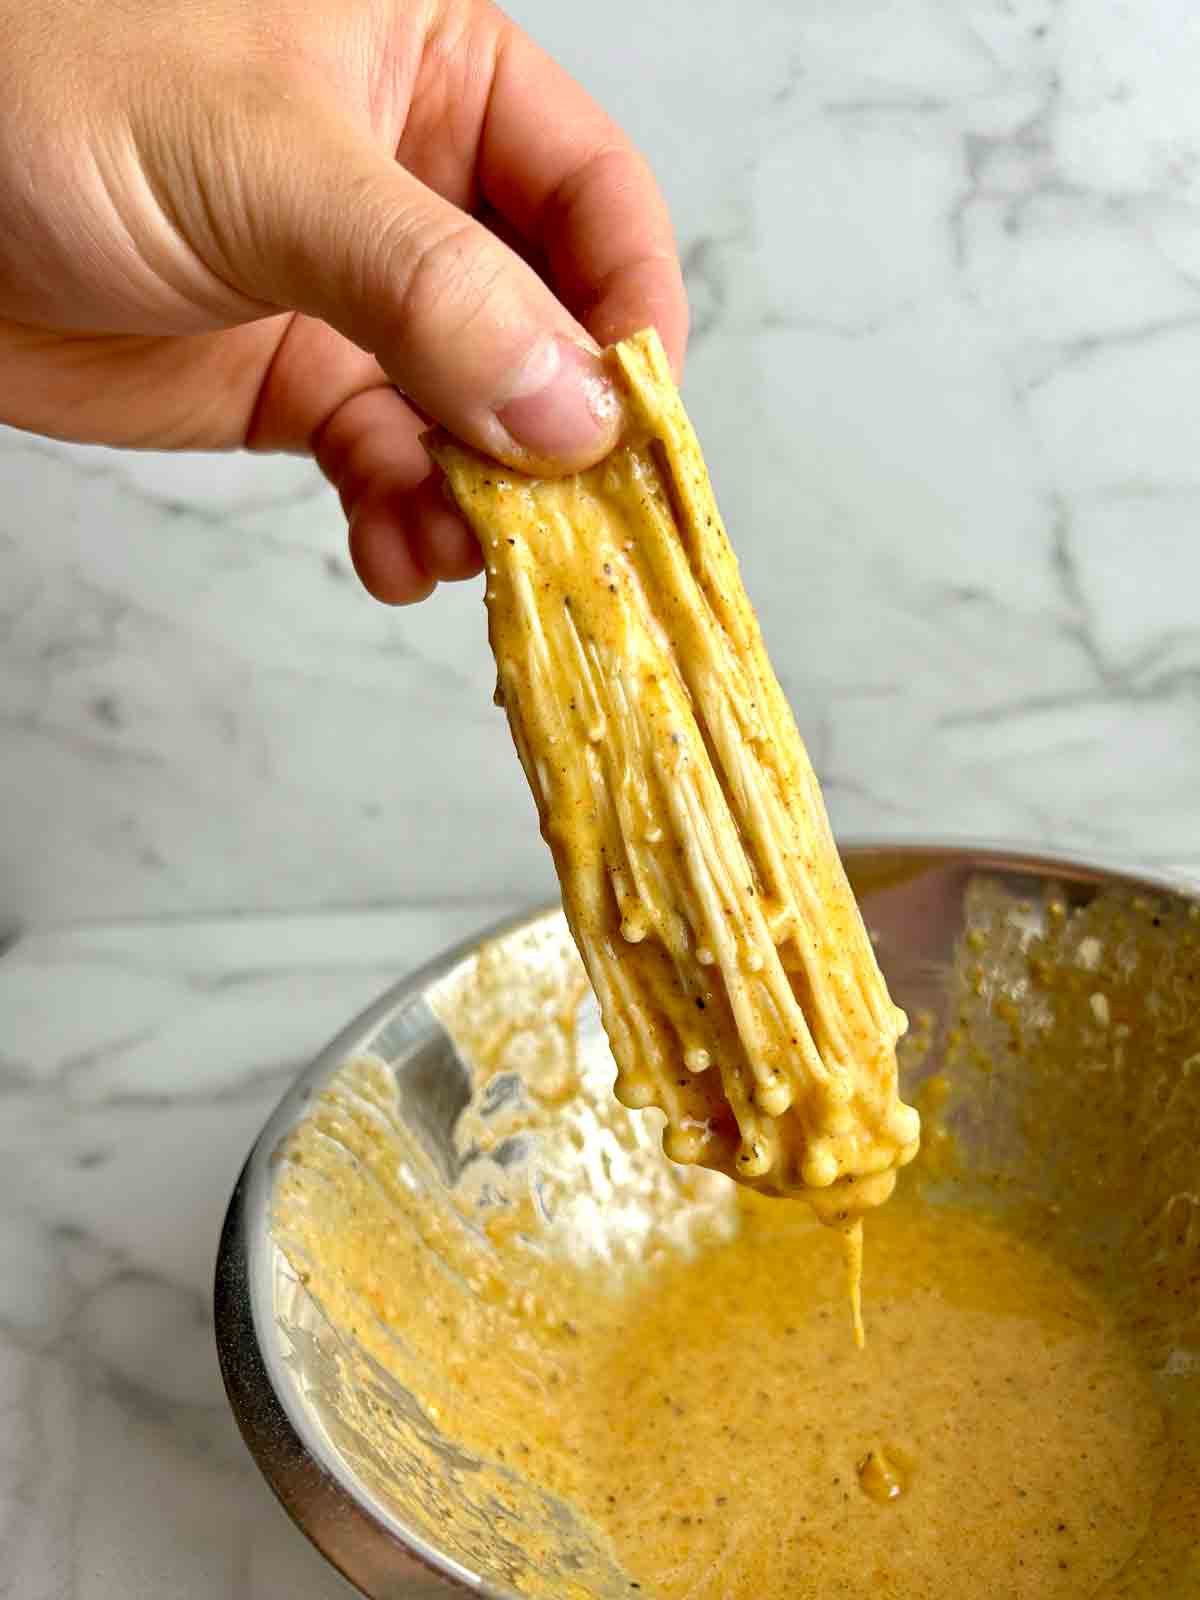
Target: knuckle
{"x": 612, "y": 166}
{"x": 443, "y": 279}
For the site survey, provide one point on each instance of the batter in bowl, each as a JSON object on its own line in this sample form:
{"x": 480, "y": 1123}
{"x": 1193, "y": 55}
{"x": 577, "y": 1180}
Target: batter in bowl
{"x": 700, "y": 1407}
{"x": 996, "y": 1438}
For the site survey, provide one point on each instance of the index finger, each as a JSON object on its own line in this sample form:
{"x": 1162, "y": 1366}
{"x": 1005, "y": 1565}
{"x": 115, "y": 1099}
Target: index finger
{"x": 570, "y": 180}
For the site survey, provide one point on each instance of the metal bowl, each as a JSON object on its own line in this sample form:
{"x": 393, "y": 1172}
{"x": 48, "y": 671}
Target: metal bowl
{"x": 954, "y": 928}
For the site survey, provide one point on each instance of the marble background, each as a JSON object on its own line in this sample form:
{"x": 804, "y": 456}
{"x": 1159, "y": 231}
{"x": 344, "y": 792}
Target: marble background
{"x": 945, "y": 267}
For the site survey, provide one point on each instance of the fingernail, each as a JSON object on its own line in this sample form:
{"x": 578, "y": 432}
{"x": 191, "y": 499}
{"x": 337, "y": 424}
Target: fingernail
{"x": 561, "y": 407}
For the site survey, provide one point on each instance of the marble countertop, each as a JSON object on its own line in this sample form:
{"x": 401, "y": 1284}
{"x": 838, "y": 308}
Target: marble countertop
{"x": 944, "y": 262}
{"x": 945, "y": 270}
{"x": 137, "y": 1066}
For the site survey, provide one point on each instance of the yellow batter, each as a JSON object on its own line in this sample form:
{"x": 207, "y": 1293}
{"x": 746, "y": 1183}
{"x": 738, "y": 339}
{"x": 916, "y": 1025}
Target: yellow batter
{"x": 736, "y": 981}
{"x": 995, "y": 1439}
{"x": 702, "y": 1409}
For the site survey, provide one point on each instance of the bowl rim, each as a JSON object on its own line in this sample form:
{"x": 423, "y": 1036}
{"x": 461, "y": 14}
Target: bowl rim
{"x": 366, "y": 1545}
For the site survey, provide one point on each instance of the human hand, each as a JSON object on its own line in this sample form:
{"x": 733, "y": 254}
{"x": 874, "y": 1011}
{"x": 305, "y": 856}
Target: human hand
{"x": 255, "y": 222}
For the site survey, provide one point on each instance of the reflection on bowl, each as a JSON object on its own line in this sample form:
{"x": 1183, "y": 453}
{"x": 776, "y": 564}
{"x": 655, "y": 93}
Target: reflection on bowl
{"x": 403, "y": 1263}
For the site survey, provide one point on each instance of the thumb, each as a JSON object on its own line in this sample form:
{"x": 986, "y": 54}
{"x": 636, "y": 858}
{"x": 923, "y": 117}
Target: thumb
{"x": 463, "y": 326}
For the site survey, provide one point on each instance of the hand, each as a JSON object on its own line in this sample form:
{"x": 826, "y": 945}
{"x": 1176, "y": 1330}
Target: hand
{"x": 255, "y": 223}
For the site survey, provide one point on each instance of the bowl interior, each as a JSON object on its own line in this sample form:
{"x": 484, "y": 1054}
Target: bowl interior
{"x": 466, "y": 1129}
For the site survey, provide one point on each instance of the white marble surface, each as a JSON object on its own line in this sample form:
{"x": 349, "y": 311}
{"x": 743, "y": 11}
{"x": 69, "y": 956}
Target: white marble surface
{"x": 945, "y": 268}
{"x": 136, "y": 1067}
{"x": 945, "y": 265}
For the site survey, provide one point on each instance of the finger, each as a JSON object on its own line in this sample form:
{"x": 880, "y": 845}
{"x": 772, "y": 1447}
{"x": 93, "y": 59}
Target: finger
{"x": 324, "y": 396}
{"x": 405, "y": 536}
{"x": 402, "y": 543}
{"x": 444, "y": 543}
{"x": 561, "y": 169}
{"x": 313, "y": 373}
{"x": 385, "y": 560}
{"x": 454, "y": 318}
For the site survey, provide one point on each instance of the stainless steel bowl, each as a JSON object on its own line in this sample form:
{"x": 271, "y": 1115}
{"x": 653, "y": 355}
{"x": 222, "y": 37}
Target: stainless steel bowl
{"x": 934, "y": 912}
